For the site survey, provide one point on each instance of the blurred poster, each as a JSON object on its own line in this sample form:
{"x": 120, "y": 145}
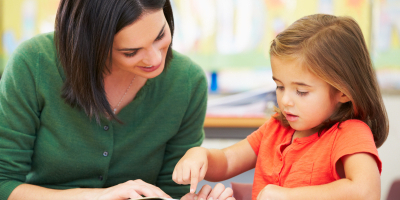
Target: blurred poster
{"x": 237, "y": 33}
{"x": 21, "y": 20}
{"x": 232, "y": 37}
{"x": 386, "y": 43}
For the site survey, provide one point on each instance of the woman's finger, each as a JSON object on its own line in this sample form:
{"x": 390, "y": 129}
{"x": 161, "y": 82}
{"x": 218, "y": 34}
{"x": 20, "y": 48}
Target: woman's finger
{"x": 159, "y": 192}
{"x": 189, "y": 196}
{"x": 218, "y": 189}
{"x": 146, "y": 189}
{"x": 204, "y": 192}
{"x": 228, "y": 192}
{"x": 132, "y": 194}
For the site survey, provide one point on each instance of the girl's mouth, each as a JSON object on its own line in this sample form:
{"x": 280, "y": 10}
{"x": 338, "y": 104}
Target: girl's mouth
{"x": 291, "y": 117}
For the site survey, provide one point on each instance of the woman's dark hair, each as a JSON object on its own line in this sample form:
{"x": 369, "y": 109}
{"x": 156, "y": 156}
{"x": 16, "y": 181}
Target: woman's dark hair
{"x": 84, "y": 35}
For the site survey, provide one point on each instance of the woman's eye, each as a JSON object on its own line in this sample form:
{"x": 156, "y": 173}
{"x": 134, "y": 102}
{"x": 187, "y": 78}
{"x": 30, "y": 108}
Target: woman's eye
{"x": 130, "y": 54}
{"x": 302, "y": 93}
{"x": 160, "y": 36}
{"x": 279, "y": 87}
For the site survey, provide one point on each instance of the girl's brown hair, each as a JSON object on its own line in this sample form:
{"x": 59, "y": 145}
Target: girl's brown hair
{"x": 334, "y": 49}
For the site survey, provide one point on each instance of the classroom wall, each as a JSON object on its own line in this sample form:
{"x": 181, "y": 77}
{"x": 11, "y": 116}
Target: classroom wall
{"x": 228, "y": 34}
{"x": 21, "y": 20}
{"x": 227, "y": 27}
{"x": 2, "y": 57}
{"x": 232, "y": 38}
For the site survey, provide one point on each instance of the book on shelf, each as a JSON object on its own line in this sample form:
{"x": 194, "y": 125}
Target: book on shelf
{"x": 257, "y": 103}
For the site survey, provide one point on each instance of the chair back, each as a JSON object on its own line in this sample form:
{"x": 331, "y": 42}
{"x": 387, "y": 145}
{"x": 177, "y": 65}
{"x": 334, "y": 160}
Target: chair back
{"x": 242, "y": 191}
{"x": 394, "y": 191}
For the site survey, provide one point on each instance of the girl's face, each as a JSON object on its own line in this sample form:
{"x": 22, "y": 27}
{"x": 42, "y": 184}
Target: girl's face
{"x": 141, "y": 48}
{"x": 304, "y": 99}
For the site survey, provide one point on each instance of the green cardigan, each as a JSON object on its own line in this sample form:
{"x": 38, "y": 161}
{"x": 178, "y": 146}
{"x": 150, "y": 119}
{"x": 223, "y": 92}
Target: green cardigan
{"x": 45, "y": 142}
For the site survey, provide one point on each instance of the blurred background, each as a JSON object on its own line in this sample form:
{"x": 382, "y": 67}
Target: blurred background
{"x": 230, "y": 39}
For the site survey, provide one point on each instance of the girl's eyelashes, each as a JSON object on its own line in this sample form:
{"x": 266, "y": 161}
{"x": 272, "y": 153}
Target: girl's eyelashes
{"x": 302, "y": 93}
{"x": 281, "y": 88}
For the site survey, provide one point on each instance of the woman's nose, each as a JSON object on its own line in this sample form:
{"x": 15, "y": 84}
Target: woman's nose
{"x": 153, "y": 56}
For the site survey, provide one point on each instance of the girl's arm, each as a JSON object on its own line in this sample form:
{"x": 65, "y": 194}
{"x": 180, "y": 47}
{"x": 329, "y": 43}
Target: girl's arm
{"x": 362, "y": 181}
{"x": 214, "y": 164}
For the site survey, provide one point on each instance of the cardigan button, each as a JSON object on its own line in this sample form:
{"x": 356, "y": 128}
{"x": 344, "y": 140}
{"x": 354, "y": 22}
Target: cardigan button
{"x": 105, "y": 154}
{"x": 100, "y": 178}
{"x": 106, "y": 128}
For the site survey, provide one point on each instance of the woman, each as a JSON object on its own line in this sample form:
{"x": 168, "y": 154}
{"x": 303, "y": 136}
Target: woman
{"x": 102, "y": 108}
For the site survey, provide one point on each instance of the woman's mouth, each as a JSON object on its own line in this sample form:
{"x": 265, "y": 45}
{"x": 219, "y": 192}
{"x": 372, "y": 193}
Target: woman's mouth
{"x": 149, "y": 68}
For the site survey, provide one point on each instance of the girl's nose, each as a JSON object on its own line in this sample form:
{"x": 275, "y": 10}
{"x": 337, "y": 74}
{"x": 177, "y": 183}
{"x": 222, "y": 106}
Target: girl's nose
{"x": 287, "y": 100}
{"x": 153, "y": 56}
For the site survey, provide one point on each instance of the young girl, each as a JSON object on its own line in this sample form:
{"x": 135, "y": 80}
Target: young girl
{"x": 322, "y": 142}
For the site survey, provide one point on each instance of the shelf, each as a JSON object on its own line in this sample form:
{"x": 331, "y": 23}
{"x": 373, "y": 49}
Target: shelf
{"x": 233, "y": 122}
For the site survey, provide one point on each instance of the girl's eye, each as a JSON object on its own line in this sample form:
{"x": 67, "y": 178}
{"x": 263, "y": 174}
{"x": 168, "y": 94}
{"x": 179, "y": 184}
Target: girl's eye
{"x": 302, "y": 93}
{"x": 279, "y": 87}
{"x": 160, "y": 36}
{"x": 130, "y": 54}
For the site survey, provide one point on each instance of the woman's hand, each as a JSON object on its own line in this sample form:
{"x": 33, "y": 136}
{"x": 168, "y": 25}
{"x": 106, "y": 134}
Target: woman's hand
{"x": 207, "y": 193}
{"x": 273, "y": 192}
{"x": 191, "y": 168}
{"x": 130, "y": 189}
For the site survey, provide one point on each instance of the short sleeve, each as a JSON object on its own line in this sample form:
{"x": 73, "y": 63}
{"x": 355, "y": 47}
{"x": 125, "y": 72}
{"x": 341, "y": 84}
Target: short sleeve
{"x": 354, "y": 136}
{"x": 256, "y": 137}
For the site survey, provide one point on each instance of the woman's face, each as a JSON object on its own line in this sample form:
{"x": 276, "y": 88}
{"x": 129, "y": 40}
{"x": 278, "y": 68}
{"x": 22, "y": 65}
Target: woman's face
{"x": 141, "y": 47}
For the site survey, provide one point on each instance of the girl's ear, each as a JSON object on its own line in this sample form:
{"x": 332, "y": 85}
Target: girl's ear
{"x": 343, "y": 98}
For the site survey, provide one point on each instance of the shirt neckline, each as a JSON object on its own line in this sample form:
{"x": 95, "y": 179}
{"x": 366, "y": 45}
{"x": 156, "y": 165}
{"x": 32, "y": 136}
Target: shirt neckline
{"x": 302, "y": 140}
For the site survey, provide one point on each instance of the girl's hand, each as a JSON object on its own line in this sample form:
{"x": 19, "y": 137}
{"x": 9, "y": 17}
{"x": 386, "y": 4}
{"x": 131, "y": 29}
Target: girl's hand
{"x": 191, "y": 168}
{"x": 130, "y": 189}
{"x": 207, "y": 193}
{"x": 273, "y": 192}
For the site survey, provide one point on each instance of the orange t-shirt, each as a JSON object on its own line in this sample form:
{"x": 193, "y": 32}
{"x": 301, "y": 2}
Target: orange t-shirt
{"x": 307, "y": 161}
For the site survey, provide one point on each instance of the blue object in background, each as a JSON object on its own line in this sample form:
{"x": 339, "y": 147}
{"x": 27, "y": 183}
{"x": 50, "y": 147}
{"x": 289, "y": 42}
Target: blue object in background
{"x": 214, "y": 82}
